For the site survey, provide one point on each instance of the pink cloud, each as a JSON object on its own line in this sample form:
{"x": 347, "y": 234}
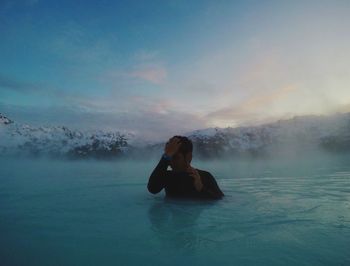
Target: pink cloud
{"x": 252, "y": 107}
{"x": 150, "y": 106}
{"x": 156, "y": 75}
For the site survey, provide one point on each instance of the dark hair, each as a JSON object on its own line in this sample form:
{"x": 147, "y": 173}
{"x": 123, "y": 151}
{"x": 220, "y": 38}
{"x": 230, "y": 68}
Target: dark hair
{"x": 186, "y": 145}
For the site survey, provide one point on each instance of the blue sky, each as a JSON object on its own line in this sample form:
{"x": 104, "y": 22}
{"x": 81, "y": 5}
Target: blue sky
{"x": 160, "y": 68}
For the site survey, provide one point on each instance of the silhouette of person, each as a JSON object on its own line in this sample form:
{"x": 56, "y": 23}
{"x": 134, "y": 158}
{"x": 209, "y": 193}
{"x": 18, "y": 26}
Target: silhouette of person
{"x": 183, "y": 181}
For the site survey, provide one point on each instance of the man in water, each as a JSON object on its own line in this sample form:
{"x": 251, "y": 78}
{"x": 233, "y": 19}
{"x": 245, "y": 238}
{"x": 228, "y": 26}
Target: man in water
{"x": 183, "y": 180}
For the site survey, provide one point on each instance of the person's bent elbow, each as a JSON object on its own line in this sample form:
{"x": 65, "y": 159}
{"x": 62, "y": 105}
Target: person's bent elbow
{"x": 153, "y": 190}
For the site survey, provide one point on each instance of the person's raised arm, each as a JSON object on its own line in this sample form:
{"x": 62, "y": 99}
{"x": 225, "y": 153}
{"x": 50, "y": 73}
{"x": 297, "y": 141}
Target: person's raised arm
{"x": 157, "y": 179}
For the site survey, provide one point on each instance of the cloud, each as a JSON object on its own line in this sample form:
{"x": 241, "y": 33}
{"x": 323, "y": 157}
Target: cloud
{"x": 155, "y": 75}
{"x": 30, "y": 88}
{"x": 147, "y": 105}
{"x": 16, "y": 85}
{"x": 251, "y": 109}
{"x": 39, "y": 88}
{"x": 150, "y": 117}
{"x": 146, "y": 55}
{"x": 145, "y": 122}
{"x": 75, "y": 44}
{"x": 145, "y": 66}
{"x": 111, "y": 103}
{"x": 343, "y": 108}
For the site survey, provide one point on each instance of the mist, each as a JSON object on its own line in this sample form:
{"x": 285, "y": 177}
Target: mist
{"x": 91, "y": 91}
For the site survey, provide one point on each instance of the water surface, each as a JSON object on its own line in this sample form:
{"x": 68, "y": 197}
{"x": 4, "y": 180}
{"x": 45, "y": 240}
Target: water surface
{"x": 275, "y": 212}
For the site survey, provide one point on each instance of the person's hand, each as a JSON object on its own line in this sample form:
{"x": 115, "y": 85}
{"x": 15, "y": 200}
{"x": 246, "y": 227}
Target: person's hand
{"x": 197, "y": 181}
{"x": 172, "y": 146}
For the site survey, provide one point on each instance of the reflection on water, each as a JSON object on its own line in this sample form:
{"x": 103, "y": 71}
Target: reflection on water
{"x": 175, "y": 222}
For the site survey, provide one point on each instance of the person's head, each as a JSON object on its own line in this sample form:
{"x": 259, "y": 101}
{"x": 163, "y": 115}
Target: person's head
{"x": 183, "y": 157}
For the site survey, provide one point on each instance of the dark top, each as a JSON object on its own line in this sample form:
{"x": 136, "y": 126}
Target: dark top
{"x": 180, "y": 184}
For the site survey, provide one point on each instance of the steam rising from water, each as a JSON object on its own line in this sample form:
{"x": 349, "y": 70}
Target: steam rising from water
{"x": 293, "y": 209}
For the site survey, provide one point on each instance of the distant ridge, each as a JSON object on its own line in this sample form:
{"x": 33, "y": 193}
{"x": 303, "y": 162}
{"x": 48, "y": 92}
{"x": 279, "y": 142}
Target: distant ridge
{"x": 329, "y": 133}
{"x": 5, "y": 120}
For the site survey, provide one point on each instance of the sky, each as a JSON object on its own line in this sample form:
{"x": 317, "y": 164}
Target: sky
{"x": 161, "y": 68}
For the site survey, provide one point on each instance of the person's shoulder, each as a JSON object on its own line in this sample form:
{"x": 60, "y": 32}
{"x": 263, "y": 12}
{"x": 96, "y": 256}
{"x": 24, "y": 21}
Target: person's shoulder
{"x": 208, "y": 178}
{"x": 204, "y": 172}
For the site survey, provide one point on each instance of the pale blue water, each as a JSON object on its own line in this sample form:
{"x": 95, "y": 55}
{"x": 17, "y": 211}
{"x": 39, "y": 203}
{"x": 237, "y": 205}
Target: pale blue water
{"x": 275, "y": 212}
